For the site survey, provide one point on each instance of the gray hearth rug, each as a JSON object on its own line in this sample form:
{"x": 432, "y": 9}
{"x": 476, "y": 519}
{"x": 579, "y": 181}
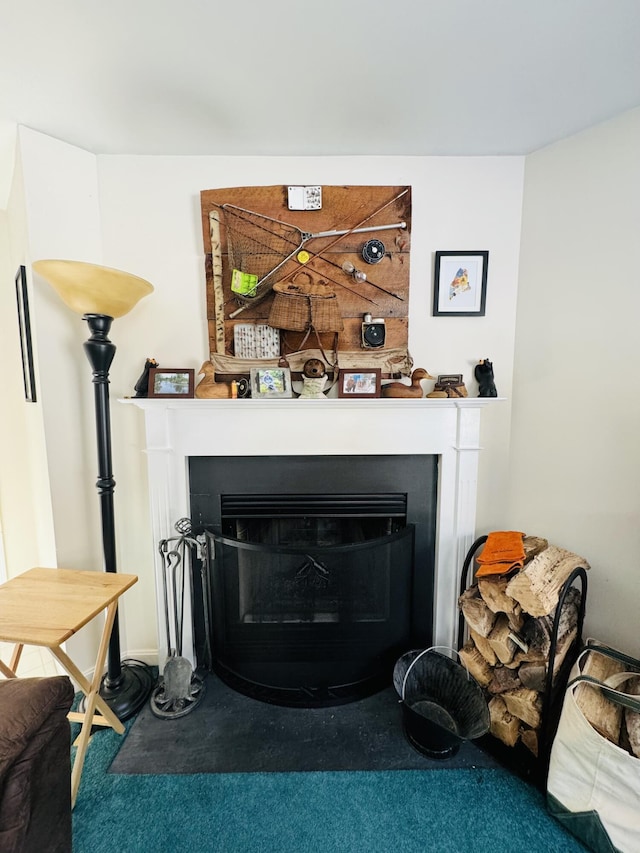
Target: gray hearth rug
{"x": 231, "y": 733}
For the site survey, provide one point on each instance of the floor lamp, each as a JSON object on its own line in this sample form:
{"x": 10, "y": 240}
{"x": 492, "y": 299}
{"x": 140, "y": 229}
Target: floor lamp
{"x": 100, "y": 294}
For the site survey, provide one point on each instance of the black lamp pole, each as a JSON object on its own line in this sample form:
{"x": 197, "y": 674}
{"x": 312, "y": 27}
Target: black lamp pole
{"x": 124, "y": 688}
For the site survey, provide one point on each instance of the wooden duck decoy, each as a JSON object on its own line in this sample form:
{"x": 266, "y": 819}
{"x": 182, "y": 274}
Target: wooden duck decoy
{"x": 399, "y": 389}
{"x": 208, "y": 388}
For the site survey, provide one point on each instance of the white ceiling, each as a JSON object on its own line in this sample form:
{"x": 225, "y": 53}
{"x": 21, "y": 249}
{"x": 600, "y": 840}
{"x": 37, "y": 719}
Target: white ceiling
{"x": 334, "y": 77}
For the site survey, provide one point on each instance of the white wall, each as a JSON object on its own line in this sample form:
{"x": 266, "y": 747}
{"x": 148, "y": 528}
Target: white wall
{"x": 62, "y": 209}
{"x": 142, "y": 214}
{"x": 10, "y": 355}
{"x": 27, "y": 535}
{"x": 62, "y": 221}
{"x": 25, "y": 505}
{"x": 575, "y": 464}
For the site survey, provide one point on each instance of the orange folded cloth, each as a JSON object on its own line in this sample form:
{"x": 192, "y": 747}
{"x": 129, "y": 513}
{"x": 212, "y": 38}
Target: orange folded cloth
{"x": 503, "y": 553}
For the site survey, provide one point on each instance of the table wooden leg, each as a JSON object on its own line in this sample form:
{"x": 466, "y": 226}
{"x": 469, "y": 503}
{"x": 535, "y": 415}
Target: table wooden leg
{"x": 10, "y": 670}
{"x": 15, "y": 657}
{"x": 6, "y": 671}
{"x": 88, "y": 687}
{"x": 93, "y": 700}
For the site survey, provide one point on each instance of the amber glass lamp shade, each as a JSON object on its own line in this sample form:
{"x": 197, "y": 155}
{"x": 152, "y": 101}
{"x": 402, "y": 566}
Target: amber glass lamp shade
{"x": 91, "y": 289}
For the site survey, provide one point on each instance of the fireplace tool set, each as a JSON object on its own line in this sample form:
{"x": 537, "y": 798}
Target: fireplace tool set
{"x": 179, "y": 689}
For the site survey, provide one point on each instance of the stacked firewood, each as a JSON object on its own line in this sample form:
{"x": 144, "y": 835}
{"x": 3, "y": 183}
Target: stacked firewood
{"x": 619, "y": 725}
{"x": 509, "y": 621}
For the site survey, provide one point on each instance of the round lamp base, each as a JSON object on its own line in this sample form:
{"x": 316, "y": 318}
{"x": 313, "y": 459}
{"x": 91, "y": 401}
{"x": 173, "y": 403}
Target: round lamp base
{"x": 128, "y": 696}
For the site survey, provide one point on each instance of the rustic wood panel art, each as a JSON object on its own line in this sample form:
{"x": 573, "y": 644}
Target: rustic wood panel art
{"x": 384, "y": 293}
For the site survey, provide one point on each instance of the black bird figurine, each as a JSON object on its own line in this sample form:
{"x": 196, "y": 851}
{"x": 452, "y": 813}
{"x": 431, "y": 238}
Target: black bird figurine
{"x": 142, "y": 385}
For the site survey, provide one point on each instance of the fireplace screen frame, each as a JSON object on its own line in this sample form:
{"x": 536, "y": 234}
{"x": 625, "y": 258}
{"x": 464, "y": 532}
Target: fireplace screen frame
{"x": 344, "y": 649}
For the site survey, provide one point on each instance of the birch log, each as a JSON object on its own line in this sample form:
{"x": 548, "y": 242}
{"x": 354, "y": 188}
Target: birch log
{"x": 631, "y": 718}
{"x": 604, "y": 715}
{"x": 533, "y": 545}
{"x": 537, "y": 587}
{"x": 216, "y": 275}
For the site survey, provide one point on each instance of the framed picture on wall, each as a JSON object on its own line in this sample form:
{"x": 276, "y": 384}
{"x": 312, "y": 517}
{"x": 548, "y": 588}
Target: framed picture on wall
{"x": 24, "y": 326}
{"x": 171, "y": 382}
{"x": 460, "y": 284}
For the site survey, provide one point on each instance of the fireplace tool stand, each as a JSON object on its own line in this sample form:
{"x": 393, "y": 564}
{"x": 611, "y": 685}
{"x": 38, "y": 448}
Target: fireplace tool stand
{"x": 179, "y": 690}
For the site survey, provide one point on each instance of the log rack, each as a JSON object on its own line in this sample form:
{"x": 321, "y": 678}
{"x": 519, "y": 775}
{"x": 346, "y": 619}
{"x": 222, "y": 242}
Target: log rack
{"x": 518, "y": 758}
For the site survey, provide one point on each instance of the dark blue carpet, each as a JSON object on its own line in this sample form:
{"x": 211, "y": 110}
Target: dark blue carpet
{"x": 409, "y": 811}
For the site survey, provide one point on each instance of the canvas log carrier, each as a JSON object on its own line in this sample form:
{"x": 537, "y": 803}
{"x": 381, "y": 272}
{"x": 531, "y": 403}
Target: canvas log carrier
{"x": 593, "y": 786}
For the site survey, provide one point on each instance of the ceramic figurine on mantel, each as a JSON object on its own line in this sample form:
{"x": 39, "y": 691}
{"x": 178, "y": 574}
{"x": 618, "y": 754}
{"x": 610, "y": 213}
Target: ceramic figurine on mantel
{"x": 314, "y": 379}
{"x": 399, "y": 389}
{"x": 142, "y": 385}
{"x": 484, "y": 374}
{"x": 449, "y": 386}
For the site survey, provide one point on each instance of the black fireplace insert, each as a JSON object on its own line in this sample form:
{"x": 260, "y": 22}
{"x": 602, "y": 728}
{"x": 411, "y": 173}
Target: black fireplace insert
{"x": 318, "y": 571}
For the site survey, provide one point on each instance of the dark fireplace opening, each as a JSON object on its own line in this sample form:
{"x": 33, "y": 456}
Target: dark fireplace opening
{"x": 309, "y": 597}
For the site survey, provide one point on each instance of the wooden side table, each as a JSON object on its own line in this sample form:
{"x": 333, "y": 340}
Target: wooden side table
{"x": 44, "y": 607}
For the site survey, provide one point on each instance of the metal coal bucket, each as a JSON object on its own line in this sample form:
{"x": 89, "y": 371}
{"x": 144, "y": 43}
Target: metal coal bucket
{"x": 442, "y": 705}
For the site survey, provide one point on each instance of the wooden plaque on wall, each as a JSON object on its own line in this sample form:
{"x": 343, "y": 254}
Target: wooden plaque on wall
{"x": 276, "y": 237}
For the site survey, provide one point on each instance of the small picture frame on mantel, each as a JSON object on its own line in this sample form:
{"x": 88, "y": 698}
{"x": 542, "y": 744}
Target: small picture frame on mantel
{"x": 271, "y": 382}
{"x": 460, "y": 284}
{"x": 171, "y": 383}
{"x": 360, "y": 384}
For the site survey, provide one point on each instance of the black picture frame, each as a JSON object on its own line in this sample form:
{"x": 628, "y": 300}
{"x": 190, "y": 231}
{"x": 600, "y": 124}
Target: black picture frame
{"x": 460, "y": 283}
{"x": 26, "y": 344}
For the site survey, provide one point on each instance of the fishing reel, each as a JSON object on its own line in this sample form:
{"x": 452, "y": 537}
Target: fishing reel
{"x": 373, "y": 332}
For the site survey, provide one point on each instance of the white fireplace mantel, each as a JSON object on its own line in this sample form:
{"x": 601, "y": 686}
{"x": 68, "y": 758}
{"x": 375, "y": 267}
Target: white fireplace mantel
{"x": 450, "y": 429}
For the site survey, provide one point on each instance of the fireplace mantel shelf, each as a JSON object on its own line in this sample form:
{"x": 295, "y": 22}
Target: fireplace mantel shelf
{"x": 287, "y": 405}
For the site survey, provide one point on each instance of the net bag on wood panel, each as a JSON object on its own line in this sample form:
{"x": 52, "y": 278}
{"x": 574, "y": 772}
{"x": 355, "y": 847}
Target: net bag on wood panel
{"x": 442, "y": 705}
{"x": 258, "y": 245}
